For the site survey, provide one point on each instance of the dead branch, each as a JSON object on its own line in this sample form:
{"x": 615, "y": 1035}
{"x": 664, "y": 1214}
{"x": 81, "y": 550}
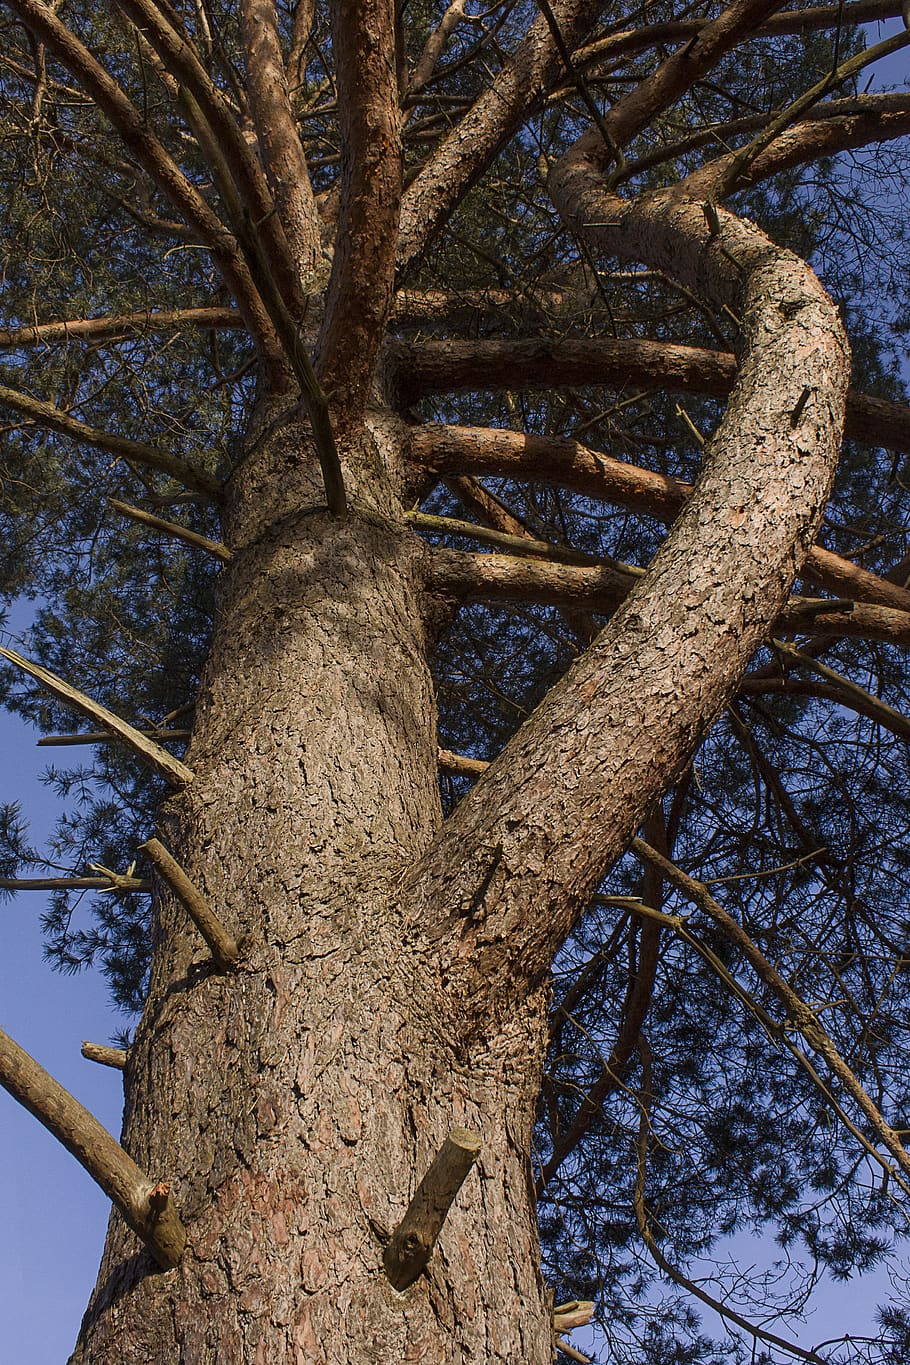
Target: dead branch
{"x": 147, "y": 1207}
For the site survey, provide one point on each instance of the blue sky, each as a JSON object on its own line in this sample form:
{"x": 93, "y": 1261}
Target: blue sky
{"x": 52, "y": 1215}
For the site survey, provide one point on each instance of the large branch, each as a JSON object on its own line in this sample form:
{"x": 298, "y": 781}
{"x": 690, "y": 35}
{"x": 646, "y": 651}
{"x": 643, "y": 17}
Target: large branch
{"x": 359, "y": 297}
{"x": 517, "y": 860}
{"x": 672, "y": 79}
{"x": 631, "y": 41}
{"x": 504, "y": 579}
{"x": 416, "y": 369}
{"x": 464, "y": 155}
{"x": 136, "y": 452}
{"x": 518, "y": 455}
{"x": 276, "y": 131}
{"x": 137, "y": 137}
{"x": 873, "y": 120}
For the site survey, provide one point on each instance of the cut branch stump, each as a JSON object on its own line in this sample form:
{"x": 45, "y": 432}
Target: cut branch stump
{"x": 412, "y": 1242}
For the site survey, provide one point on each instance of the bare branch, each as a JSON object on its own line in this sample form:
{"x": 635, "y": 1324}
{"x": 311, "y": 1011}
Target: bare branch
{"x": 105, "y": 1056}
{"x": 223, "y": 946}
{"x": 145, "y": 1206}
{"x": 170, "y": 528}
{"x": 168, "y": 767}
{"x": 519, "y": 455}
{"x": 149, "y": 457}
{"x": 119, "y": 325}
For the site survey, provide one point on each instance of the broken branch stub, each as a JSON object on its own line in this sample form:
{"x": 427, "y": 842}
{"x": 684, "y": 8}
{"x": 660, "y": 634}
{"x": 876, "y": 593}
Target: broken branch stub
{"x": 412, "y": 1242}
{"x": 105, "y": 1056}
{"x": 145, "y": 1206}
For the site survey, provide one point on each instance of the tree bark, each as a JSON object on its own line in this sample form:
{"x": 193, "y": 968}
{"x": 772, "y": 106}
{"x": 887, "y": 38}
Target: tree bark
{"x": 295, "y": 1104}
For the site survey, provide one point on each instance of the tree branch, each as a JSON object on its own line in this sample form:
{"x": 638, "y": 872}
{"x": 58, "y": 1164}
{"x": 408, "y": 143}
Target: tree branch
{"x": 134, "y": 131}
{"x": 169, "y": 528}
{"x": 781, "y": 145}
{"x": 519, "y": 455}
{"x": 459, "y": 162}
{"x": 146, "y": 1207}
{"x": 503, "y": 579}
{"x": 627, "y": 43}
{"x": 520, "y": 855}
{"x": 138, "y": 452}
{"x": 119, "y": 325}
{"x": 359, "y": 297}
{"x": 673, "y": 77}
{"x": 279, "y": 142}
{"x": 417, "y": 369}
{"x": 163, "y": 763}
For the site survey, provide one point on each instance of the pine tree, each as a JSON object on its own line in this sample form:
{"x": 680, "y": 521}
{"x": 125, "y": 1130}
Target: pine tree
{"x": 565, "y": 872}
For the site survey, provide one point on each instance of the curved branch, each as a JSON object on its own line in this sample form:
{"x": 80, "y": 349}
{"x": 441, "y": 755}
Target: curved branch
{"x": 134, "y": 132}
{"x": 677, "y": 74}
{"x": 880, "y": 118}
{"x": 614, "y": 45}
{"x": 518, "y": 858}
{"x": 149, "y": 457}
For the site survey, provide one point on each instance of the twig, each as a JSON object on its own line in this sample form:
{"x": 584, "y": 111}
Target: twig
{"x": 224, "y": 947}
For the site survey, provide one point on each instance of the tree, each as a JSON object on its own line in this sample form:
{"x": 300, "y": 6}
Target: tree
{"x": 290, "y": 293}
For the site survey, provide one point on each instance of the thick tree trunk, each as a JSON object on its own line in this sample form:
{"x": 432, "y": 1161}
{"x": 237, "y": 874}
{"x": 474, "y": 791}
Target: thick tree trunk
{"x": 296, "y": 1103}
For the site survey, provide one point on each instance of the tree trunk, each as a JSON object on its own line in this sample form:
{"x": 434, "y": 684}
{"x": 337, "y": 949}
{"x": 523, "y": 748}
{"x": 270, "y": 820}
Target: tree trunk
{"x": 296, "y": 1103}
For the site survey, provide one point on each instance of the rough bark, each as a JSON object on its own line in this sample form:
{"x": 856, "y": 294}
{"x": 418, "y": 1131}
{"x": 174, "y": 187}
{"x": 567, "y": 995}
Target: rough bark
{"x": 308, "y": 1092}
{"x": 503, "y": 883}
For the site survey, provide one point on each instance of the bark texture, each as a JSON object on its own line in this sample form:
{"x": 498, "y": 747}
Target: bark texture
{"x": 309, "y": 1091}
